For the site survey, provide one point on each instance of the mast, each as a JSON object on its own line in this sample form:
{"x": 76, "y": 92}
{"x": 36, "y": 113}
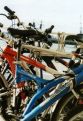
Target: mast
{"x": 80, "y": 24}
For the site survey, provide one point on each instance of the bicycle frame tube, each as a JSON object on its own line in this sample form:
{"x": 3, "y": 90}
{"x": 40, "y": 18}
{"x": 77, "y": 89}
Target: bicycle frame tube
{"x": 22, "y": 75}
{"x": 27, "y": 116}
{"x": 10, "y": 55}
{"x": 79, "y": 78}
{"x": 78, "y": 69}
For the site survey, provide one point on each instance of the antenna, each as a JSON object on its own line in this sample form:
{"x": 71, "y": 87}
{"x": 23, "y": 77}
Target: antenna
{"x": 80, "y": 24}
{"x": 41, "y": 25}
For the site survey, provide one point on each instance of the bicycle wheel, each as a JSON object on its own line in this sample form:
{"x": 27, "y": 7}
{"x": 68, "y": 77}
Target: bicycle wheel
{"x": 11, "y": 118}
{"x": 5, "y": 96}
{"x": 65, "y": 104}
{"x": 76, "y": 114}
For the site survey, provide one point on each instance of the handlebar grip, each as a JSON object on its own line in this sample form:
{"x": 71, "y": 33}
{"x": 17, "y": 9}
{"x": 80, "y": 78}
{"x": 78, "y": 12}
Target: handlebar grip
{"x": 1, "y": 25}
{"x": 49, "y": 30}
{"x": 30, "y": 24}
{"x": 9, "y": 10}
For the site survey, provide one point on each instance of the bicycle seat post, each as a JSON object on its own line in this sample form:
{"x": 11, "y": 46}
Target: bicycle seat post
{"x": 19, "y": 50}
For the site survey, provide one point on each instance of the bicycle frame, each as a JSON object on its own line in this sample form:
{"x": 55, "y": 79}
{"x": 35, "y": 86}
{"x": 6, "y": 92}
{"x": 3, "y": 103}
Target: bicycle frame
{"x": 11, "y": 55}
{"x": 31, "y": 112}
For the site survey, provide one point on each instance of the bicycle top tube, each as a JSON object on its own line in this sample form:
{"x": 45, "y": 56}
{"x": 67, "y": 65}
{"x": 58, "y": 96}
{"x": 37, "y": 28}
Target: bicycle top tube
{"x": 22, "y": 76}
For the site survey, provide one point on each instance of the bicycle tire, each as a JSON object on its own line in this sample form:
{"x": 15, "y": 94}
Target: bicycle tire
{"x": 76, "y": 114}
{"x": 65, "y": 104}
{"x": 11, "y": 118}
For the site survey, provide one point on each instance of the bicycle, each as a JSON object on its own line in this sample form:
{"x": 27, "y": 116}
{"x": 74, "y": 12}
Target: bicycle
{"x": 28, "y": 114}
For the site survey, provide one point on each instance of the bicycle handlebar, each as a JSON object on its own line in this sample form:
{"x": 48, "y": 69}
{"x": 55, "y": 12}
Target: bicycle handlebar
{"x": 9, "y": 10}
{"x": 1, "y": 25}
{"x": 12, "y": 16}
{"x": 49, "y": 30}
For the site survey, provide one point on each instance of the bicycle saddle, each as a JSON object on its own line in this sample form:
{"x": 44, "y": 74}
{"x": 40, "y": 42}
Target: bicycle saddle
{"x": 77, "y": 37}
{"x": 19, "y": 33}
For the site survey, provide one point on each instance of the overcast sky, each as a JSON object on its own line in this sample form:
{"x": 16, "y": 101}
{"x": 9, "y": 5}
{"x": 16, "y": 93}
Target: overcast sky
{"x": 63, "y": 14}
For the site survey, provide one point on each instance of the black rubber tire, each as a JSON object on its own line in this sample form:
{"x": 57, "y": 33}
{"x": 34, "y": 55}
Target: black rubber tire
{"x": 11, "y": 118}
{"x": 65, "y": 104}
{"x": 76, "y": 114}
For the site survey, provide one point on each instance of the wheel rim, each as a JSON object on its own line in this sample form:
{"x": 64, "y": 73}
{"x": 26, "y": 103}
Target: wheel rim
{"x": 77, "y": 117}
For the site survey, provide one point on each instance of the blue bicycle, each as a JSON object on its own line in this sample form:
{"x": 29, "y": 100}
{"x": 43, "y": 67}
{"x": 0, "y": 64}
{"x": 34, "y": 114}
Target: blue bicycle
{"x": 68, "y": 82}
{"x": 65, "y": 84}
